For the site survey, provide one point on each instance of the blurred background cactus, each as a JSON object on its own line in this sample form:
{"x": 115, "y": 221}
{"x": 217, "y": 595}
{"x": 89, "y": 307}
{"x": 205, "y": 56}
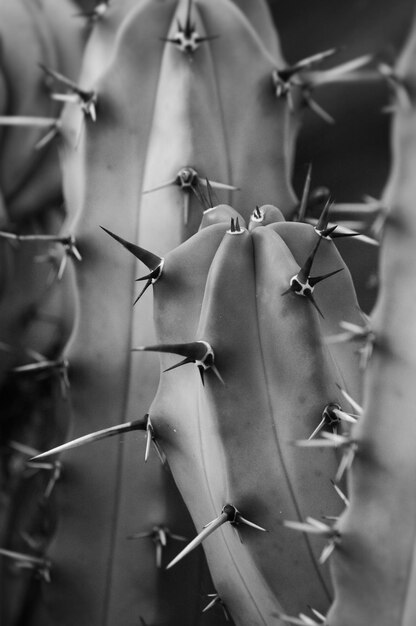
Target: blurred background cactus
{"x": 209, "y": 138}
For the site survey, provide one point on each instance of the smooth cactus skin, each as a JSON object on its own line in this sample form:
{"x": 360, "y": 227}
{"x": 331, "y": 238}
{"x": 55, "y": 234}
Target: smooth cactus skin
{"x": 376, "y": 551}
{"x": 237, "y": 434}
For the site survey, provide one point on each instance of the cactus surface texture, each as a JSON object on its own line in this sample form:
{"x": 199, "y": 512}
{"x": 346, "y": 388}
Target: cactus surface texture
{"x": 200, "y": 426}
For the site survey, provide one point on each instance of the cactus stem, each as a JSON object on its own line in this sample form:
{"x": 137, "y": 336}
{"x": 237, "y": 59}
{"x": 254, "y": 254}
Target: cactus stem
{"x": 139, "y": 424}
{"x": 216, "y": 600}
{"x": 27, "y": 561}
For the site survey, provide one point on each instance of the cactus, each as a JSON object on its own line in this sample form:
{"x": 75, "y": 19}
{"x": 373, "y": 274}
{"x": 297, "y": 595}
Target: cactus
{"x": 35, "y": 302}
{"x": 142, "y": 147}
{"x": 231, "y": 438}
{"x": 377, "y": 526}
{"x": 221, "y": 294}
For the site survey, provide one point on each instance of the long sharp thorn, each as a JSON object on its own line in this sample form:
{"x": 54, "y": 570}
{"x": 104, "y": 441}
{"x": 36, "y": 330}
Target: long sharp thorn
{"x": 26, "y": 120}
{"x": 168, "y": 183}
{"x": 312, "y": 300}
{"x": 296, "y": 621}
{"x": 159, "y": 452}
{"x": 196, "y": 351}
{"x": 315, "y": 58}
{"x": 139, "y": 424}
{"x": 357, "y": 408}
{"x": 145, "y": 288}
{"x": 332, "y": 75}
{"x": 206, "y": 532}
{"x": 318, "y": 614}
{"x": 305, "y": 195}
{"x": 309, "y": 526}
{"x": 242, "y": 520}
{"x": 202, "y": 375}
{"x": 340, "y": 493}
{"x": 212, "y": 603}
{"x": 26, "y": 560}
{"x": 60, "y": 77}
{"x": 316, "y": 108}
{"x": 216, "y": 185}
{"x": 217, "y": 374}
{"x": 209, "y": 193}
{"x": 327, "y": 551}
{"x": 323, "y": 220}
{"x": 346, "y": 461}
{"x": 188, "y": 24}
{"x": 314, "y": 280}
{"x": 345, "y": 417}
{"x": 149, "y": 438}
{"x": 305, "y": 270}
{"x": 318, "y": 428}
{"x": 151, "y": 260}
{"x": 183, "y": 362}
{"x": 206, "y": 38}
{"x": 186, "y": 203}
